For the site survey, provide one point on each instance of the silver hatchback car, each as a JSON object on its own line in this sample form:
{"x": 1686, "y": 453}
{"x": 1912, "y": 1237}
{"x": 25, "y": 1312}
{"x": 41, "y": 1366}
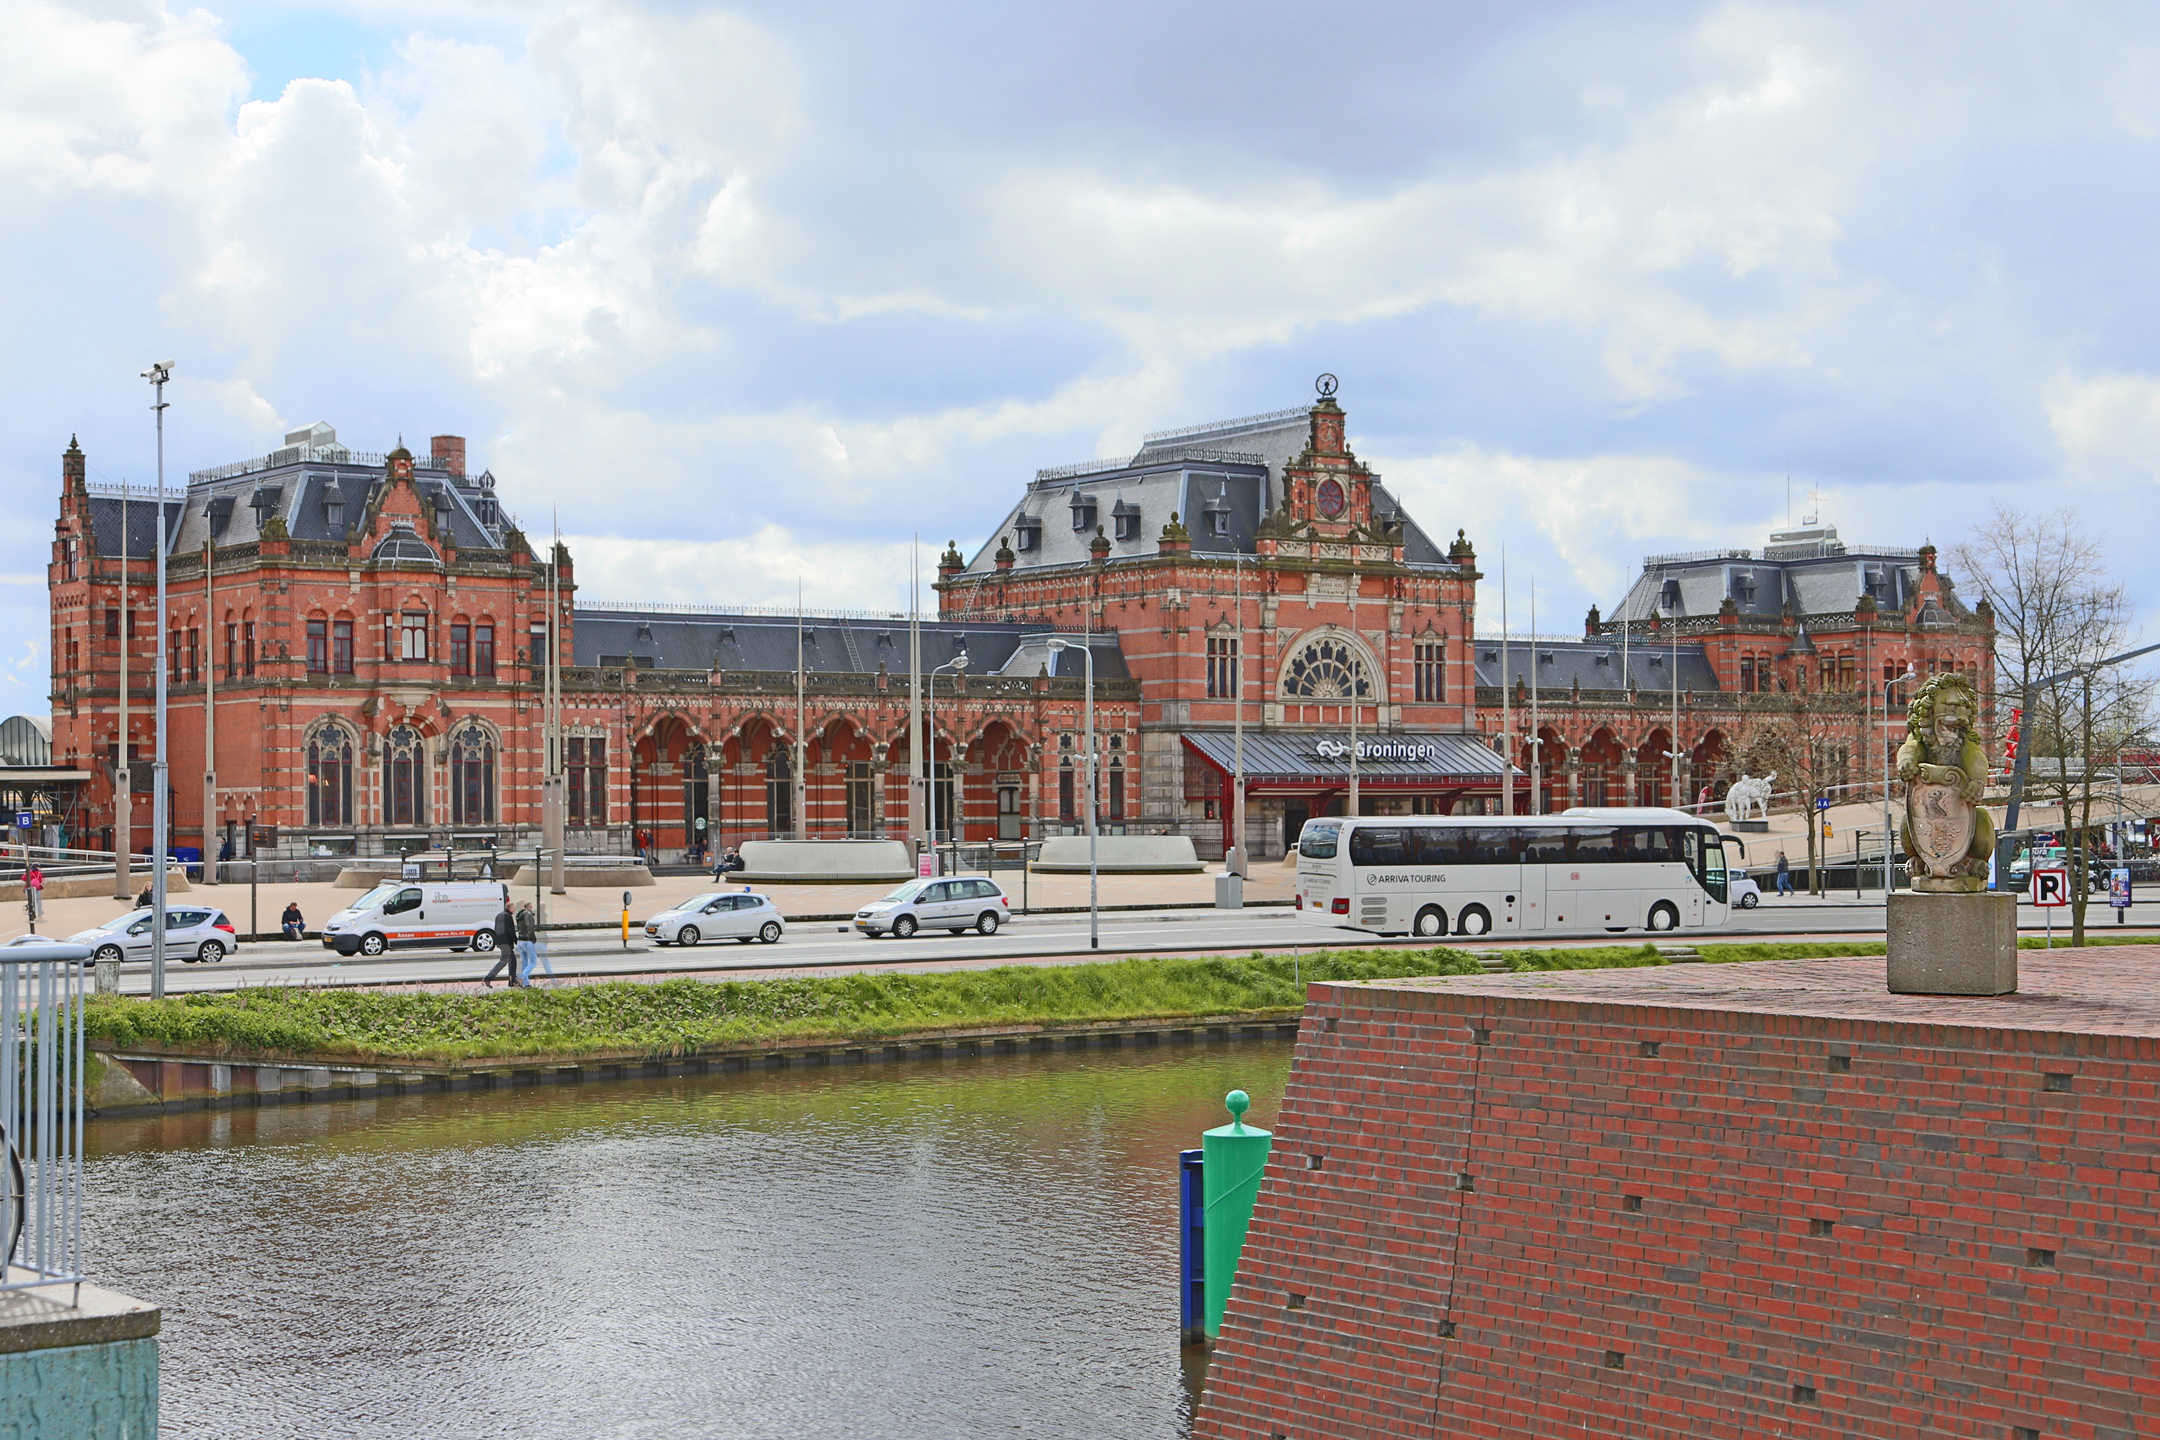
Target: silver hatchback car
{"x": 963, "y": 902}
{"x": 742, "y": 915}
{"x": 192, "y": 933}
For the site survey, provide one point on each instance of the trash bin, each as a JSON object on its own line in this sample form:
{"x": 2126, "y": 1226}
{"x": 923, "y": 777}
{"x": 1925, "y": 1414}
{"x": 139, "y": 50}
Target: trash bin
{"x": 1229, "y": 891}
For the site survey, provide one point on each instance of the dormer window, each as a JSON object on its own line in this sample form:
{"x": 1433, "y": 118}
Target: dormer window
{"x": 1216, "y": 513}
{"x": 1743, "y": 585}
{"x": 1083, "y": 512}
{"x": 1027, "y": 534}
{"x": 1669, "y": 596}
{"x": 333, "y": 512}
{"x": 1125, "y": 517}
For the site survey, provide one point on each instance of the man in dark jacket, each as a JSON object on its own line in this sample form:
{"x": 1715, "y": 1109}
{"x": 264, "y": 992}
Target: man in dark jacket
{"x": 506, "y": 956}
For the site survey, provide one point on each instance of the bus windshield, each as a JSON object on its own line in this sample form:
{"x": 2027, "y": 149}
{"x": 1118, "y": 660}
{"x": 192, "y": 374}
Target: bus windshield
{"x": 1317, "y": 840}
{"x": 1706, "y": 857}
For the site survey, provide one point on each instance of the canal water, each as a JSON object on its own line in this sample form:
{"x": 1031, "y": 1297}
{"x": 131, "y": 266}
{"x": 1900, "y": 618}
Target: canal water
{"x": 982, "y": 1246}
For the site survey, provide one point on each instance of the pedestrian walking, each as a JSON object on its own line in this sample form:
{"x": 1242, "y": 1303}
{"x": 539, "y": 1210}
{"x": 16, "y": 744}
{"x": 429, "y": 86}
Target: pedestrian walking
{"x": 34, "y": 892}
{"x": 292, "y": 922}
{"x": 528, "y": 943}
{"x": 1784, "y": 874}
{"x": 506, "y": 956}
{"x": 142, "y": 901}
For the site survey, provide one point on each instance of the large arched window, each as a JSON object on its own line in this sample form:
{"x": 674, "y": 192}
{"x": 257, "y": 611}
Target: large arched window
{"x": 472, "y": 777}
{"x": 1326, "y": 669}
{"x": 779, "y": 790}
{"x": 329, "y": 776}
{"x": 404, "y": 778}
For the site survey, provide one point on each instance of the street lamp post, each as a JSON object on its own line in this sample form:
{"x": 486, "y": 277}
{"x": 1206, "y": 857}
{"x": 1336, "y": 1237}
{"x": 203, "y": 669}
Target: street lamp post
{"x": 160, "y": 799}
{"x": 958, "y": 665}
{"x": 1087, "y": 653}
{"x": 1889, "y": 835}
{"x": 1236, "y": 860}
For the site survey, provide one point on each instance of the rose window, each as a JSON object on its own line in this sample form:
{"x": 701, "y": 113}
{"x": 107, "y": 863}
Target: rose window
{"x": 1326, "y": 669}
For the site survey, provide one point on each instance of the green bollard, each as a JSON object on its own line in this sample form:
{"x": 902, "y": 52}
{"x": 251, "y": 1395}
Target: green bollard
{"x": 1232, "y": 1158}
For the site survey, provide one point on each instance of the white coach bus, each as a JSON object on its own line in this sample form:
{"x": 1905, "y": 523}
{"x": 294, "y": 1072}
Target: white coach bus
{"x": 1584, "y": 869}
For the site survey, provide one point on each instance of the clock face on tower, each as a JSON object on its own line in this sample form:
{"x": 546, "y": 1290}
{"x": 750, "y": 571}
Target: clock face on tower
{"x": 1329, "y": 498}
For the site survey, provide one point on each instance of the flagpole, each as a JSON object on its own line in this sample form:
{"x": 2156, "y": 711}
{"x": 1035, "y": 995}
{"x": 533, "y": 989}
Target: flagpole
{"x": 916, "y": 825}
{"x": 1507, "y": 704}
{"x": 802, "y": 781}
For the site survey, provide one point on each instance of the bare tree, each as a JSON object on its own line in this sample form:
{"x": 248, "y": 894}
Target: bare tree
{"x": 2056, "y": 614}
{"x": 1807, "y": 741}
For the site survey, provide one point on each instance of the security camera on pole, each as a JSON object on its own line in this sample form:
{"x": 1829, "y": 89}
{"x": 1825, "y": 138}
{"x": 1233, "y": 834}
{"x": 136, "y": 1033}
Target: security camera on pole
{"x": 160, "y": 796}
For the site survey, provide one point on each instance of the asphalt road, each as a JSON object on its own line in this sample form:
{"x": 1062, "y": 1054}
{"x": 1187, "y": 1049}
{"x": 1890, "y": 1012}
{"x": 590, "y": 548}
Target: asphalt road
{"x": 1046, "y": 938}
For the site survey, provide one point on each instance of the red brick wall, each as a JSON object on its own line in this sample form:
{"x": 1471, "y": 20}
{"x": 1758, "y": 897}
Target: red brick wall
{"x": 1941, "y": 1160}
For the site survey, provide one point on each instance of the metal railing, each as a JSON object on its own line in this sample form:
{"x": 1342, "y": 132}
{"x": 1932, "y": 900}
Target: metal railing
{"x": 41, "y": 1116}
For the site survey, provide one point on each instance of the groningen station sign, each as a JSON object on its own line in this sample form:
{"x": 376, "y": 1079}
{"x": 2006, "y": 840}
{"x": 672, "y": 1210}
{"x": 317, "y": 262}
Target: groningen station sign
{"x": 1415, "y": 751}
{"x": 1294, "y": 759}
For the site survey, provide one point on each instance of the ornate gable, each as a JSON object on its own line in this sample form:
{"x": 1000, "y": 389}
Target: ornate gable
{"x": 1327, "y": 490}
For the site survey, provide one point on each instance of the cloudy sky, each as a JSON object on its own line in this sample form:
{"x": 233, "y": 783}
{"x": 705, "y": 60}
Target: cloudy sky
{"x": 751, "y": 292}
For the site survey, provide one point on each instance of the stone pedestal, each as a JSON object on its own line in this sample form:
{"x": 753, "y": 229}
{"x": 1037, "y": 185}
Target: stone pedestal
{"x": 1953, "y": 944}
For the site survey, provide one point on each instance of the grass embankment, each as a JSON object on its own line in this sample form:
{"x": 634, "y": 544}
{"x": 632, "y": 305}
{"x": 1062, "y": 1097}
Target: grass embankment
{"x": 678, "y": 1016}
{"x": 675, "y": 1016}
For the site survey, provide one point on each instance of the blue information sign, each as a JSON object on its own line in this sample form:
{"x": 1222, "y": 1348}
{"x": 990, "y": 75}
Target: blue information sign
{"x": 24, "y": 820}
{"x": 1822, "y": 802}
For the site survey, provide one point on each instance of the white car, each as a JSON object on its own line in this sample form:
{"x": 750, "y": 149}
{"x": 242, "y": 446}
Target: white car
{"x": 1741, "y": 890}
{"x": 742, "y": 915}
{"x": 957, "y": 904}
{"x": 192, "y": 933}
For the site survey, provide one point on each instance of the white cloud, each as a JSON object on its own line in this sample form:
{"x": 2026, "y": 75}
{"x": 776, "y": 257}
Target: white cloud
{"x": 2108, "y": 425}
{"x": 797, "y": 281}
{"x": 763, "y": 568}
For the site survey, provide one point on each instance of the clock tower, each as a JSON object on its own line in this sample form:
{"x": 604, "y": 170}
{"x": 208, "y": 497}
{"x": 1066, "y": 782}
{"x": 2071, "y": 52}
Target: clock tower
{"x": 1326, "y": 489}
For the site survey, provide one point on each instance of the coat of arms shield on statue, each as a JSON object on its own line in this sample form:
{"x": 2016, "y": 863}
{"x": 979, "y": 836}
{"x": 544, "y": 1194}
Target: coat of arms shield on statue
{"x": 1948, "y": 837}
{"x": 1942, "y": 828}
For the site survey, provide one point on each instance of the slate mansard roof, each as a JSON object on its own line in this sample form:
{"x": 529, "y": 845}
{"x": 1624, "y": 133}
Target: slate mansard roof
{"x": 1811, "y": 567}
{"x": 1232, "y": 467}
{"x": 319, "y": 491}
{"x": 832, "y": 645}
{"x": 1593, "y": 664}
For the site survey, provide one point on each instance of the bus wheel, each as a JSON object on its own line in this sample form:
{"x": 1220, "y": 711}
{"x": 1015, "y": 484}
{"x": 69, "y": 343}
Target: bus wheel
{"x": 1663, "y": 916}
{"x": 1473, "y": 921}
{"x": 1431, "y": 920}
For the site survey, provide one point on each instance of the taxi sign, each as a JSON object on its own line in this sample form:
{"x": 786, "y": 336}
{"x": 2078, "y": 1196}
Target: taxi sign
{"x": 2050, "y": 888}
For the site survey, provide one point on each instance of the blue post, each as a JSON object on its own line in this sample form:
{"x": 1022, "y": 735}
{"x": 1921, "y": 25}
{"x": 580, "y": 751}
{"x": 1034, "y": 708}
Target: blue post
{"x": 1192, "y": 1249}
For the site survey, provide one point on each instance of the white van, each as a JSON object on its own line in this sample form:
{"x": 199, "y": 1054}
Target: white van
{"x": 407, "y": 915}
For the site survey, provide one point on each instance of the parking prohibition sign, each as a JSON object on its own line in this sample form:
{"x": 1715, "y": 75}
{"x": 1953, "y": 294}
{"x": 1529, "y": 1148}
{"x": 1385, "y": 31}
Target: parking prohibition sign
{"x": 2050, "y": 888}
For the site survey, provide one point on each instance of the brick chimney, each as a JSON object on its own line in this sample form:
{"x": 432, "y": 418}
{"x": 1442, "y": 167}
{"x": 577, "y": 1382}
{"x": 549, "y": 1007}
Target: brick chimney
{"x": 450, "y": 449}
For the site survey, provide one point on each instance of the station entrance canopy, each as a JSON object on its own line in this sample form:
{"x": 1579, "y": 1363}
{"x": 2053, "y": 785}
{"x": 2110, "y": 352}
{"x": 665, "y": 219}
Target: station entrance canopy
{"x": 1308, "y": 762}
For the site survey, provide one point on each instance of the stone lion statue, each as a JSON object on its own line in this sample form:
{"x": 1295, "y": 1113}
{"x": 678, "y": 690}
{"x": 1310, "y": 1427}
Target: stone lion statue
{"x": 1749, "y": 798}
{"x": 1947, "y": 836}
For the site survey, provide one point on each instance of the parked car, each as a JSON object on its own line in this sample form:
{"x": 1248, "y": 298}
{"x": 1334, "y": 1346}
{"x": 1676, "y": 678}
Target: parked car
{"x": 957, "y": 904}
{"x": 742, "y": 915}
{"x": 1742, "y": 891}
{"x": 409, "y": 915}
{"x": 192, "y": 933}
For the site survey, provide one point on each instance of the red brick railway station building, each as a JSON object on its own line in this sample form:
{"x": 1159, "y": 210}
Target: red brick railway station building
{"x": 368, "y": 632}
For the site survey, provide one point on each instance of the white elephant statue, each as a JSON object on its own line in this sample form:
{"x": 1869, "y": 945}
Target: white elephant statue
{"x": 1749, "y": 798}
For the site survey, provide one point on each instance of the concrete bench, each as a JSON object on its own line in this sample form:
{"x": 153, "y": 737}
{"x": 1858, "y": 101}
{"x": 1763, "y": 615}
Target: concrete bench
{"x": 825, "y": 862}
{"x": 1120, "y": 855}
